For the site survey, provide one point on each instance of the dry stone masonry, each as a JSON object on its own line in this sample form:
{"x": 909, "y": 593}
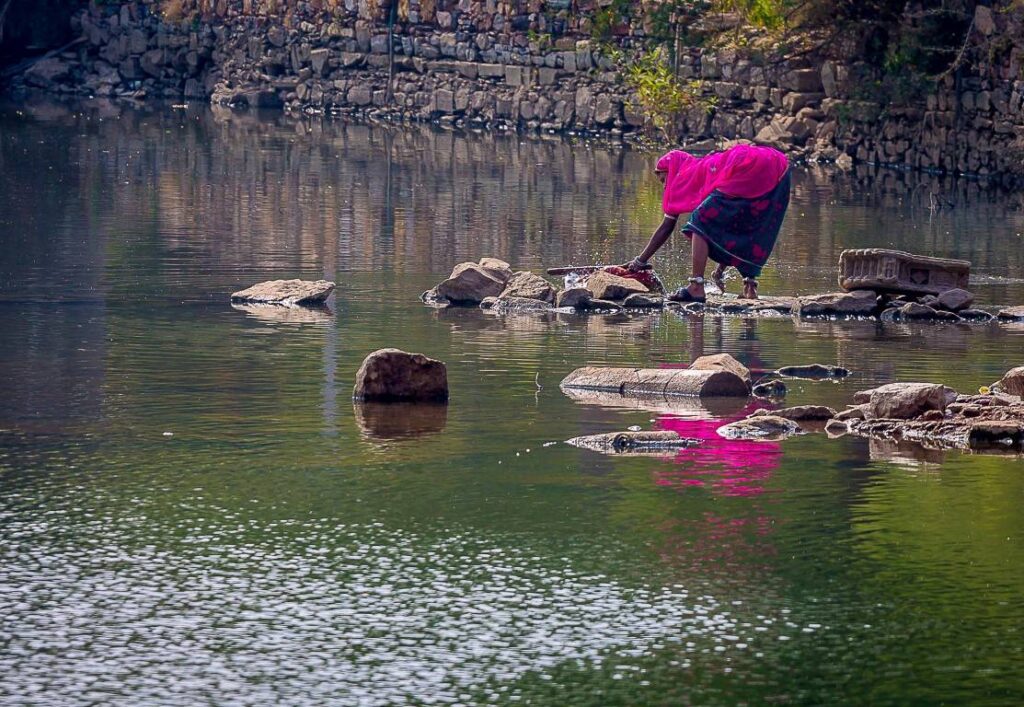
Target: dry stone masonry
{"x": 535, "y": 65}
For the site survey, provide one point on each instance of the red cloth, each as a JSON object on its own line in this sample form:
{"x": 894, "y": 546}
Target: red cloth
{"x": 745, "y": 171}
{"x": 647, "y": 278}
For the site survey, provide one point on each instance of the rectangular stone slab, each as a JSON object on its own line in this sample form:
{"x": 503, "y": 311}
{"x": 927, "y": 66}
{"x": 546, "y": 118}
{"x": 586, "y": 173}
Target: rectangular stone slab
{"x": 657, "y": 381}
{"x": 898, "y": 272}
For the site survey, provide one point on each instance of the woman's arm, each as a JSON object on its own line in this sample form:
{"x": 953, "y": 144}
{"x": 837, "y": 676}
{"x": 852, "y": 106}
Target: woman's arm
{"x": 657, "y": 241}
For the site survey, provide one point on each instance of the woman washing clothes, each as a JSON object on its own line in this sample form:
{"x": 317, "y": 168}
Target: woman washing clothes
{"x": 738, "y": 199}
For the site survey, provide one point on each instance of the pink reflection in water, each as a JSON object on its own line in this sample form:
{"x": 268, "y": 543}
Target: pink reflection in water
{"x": 729, "y": 467}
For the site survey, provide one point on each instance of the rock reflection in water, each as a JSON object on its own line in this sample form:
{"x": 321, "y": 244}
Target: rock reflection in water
{"x": 280, "y": 314}
{"x": 396, "y": 421}
{"x": 904, "y": 453}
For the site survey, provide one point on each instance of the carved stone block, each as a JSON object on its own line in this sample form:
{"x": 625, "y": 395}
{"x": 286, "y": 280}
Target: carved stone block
{"x": 898, "y": 272}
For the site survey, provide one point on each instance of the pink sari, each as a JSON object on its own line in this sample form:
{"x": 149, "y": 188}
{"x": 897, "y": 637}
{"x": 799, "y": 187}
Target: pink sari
{"x": 744, "y": 171}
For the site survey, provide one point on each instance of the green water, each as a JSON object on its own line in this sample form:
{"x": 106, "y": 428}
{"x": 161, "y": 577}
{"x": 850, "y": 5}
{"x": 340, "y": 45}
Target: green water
{"x": 192, "y": 511}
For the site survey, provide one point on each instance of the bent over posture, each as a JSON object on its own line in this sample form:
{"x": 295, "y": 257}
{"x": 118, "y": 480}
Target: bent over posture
{"x": 738, "y": 199}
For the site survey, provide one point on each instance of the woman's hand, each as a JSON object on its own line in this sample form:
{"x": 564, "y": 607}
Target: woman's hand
{"x": 636, "y": 264}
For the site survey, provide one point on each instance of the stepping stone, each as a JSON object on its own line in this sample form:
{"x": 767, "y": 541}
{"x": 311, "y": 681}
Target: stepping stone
{"x": 286, "y": 292}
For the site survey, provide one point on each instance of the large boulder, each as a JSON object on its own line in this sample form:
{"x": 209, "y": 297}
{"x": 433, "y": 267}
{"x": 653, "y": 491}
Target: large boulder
{"x": 604, "y": 285}
{"x": 858, "y": 303}
{"x": 286, "y": 292}
{"x": 529, "y": 286}
{"x": 721, "y": 362}
{"x": 904, "y": 401}
{"x": 498, "y": 268}
{"x": 389, "y": 375}
{"x": 46, "y": 72}
{"x": 1013, "y": 382}
{"x": 469, "y": 284}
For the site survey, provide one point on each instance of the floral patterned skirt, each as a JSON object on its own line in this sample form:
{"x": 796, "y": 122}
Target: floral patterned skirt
{"x": 741, "y": 232}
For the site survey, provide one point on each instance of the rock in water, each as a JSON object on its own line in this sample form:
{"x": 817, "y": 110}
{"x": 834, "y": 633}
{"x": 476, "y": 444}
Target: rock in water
{"x": 884, "y": 270}
{"x": 469, "y": 284}
{"x": 721, "y": 362}
{"x": 1012, "y": 313}
{"x": 604, "y": 285}
{"x": 394, "y": 375}
{"x": 576, "y": 297}
{"x": 770, "y": 389}
{"x": 658, "y": 382}
{"x": 286, "y": 292}
{"x": 814, "y": 371}
{"x": 507, "y": 305}
{"x": 956, "y": 299}
{"x": 767, "y": 428}
{"x": 529, "y": 286}
{"x": 800, "y": 413}
{"x": 641, "y": 300}
{"x": 858, "y": 303}
{"x": 1013, "y": 382}
{"x": 904, "y": 401}
{"x": 498, "y": 268}
{"x": 653, "y": 442}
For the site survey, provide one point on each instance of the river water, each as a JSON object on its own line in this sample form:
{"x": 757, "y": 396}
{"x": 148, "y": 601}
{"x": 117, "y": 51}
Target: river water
{"x": 192, "y": 510}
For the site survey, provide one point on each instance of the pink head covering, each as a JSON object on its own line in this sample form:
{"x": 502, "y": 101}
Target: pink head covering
{"x": 745, "y": 171}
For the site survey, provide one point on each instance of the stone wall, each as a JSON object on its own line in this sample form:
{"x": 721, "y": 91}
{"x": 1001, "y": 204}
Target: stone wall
{"x": 533, "y": 65}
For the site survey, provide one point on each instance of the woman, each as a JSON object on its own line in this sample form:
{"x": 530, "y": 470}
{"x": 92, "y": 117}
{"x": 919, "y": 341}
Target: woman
{"x": 738, "y": 198}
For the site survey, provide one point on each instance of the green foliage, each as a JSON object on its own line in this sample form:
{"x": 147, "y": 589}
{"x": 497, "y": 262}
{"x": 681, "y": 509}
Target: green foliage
{"x": 608, "y": 18}
{"x": 770, "y": 14}
{"x": 660, "y": 95}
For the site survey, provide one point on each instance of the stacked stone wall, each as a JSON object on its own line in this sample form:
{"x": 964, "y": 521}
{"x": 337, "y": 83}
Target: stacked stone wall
{"x": 532, "y": 65}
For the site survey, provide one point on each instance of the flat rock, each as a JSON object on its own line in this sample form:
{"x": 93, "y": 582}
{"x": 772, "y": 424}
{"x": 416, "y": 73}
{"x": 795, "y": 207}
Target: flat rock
{"x": 1012, "y": 382}
{"x": 956, "y": 299}
{"x": 904, "y": 401}
{"x": 857, "y": 412}
{"x": 604, "y": 285}
{"x": 801, "y": 413}
{"x": 529, "y": 286}
{"x": 1012, "y": 313}
{"x": 575, "y": 297}
{"x": 636, "y": 443}
{"x": 858, "y": 303}
{"x": 390, "y": 375}
{"x": 762, "y": 427}
{"x": 286, "y": 292}
{"x": 760, "y": 306}
{"x": 912, "y": 311}
{"x": 721, "y": 362}
{"x": 658, "y": 381}
{"x": 642, "y": 300}
{"x": 469, "y": 284}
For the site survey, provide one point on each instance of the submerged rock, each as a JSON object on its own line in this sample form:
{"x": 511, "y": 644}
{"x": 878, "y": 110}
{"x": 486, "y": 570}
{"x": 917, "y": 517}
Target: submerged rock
{"x": 394, "y": 375}
{"x": 505, "y": 305}
{"x": 651, "y": 442}
{"x": 605, "y": 286}
{"x": 286, "y": 292}
{"x": 858, "y": 303}
{"x": 721, "y": 362}
{"x": 903, "y": 401}
{"x": 642, "y": 300}
{"x": 814, "y": 371}
{"x": 1012, "y": 313}
{"x": 529, "y": 286}
{"x": 976, "y": 315}
{"x": 658, "y": 381}
{"x": 801, "y": 413}
{"x": 912, "y": 311}
{"x": 770, "y": 389}
{"x": 762, "y": 427}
